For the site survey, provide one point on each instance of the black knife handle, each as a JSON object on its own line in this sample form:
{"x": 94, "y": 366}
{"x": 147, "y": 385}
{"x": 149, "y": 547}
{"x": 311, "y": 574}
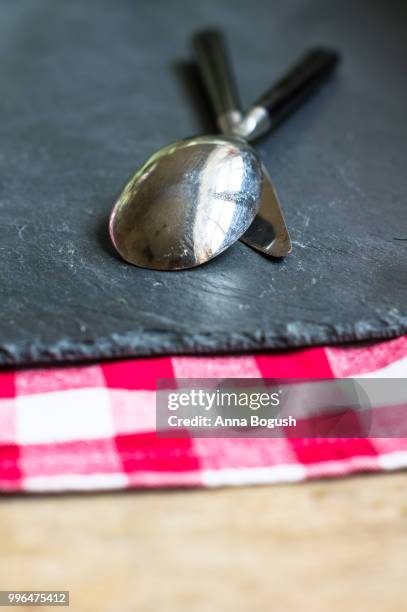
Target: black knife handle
{"x": 302, "y": 80}
{"x": 215, "y": 68}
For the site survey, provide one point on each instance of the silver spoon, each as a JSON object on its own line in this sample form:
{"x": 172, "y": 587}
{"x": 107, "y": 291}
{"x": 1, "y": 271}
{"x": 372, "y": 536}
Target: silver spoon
{"x": 192, "y": 200}
{"x": 188, "y": 203}
{"x": 268, "y": 232}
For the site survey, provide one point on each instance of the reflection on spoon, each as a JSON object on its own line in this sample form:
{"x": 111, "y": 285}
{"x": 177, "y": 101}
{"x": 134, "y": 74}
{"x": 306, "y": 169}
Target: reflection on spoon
{"x": 188, "y": 203}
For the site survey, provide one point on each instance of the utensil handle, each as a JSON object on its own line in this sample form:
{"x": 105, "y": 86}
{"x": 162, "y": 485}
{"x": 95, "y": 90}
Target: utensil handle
{"x": 305, "y": 76}
{"x": 215, "y": 68}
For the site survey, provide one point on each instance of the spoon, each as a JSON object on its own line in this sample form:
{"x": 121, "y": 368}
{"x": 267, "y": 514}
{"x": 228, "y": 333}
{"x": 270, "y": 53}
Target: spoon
{"x": 192, "y": 200}
{"x": 188, "y": 203}
{"x": 268, "y": 232}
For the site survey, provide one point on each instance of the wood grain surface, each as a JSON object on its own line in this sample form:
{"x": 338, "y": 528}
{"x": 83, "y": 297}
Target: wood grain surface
{"x": 330, "y": 545}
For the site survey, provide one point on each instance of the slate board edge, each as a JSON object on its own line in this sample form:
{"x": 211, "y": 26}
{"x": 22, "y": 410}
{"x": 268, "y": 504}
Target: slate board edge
{"x": 153, "y": 342}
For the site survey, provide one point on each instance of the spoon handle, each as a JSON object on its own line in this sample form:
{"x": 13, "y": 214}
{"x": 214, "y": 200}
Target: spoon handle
{"x": 216, "y": 71}
{"x": 304, "y": 78}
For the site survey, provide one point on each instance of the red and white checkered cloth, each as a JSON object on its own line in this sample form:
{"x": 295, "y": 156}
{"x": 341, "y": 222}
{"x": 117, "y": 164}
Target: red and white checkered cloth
{"x": 93, "y": 427}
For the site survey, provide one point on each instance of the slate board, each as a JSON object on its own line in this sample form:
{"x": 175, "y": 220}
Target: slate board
{"x": 90, "y": 89}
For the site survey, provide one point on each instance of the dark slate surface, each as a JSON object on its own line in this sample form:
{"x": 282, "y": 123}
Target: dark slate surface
{"x": 90, "y": 89}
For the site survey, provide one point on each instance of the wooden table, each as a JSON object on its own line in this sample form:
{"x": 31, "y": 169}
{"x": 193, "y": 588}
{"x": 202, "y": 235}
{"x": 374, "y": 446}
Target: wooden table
{"x": 327, "y": 546}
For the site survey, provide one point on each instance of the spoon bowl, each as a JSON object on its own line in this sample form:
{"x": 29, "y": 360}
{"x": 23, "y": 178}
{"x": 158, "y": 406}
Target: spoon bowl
{"x": 188, "y": 203}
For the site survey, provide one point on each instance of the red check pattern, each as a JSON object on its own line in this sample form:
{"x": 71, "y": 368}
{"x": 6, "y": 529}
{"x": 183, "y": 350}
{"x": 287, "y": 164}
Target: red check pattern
{"x": 93, "y": 426}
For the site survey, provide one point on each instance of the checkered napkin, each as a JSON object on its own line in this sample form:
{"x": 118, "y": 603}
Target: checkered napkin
{"x": 93, "y": 427}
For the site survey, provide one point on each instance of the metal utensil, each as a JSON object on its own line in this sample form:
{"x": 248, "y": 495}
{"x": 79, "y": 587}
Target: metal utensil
{"x": 188, "y": 203}
{"x": 193, "y": 199}
{"x": 268, "y": 232}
